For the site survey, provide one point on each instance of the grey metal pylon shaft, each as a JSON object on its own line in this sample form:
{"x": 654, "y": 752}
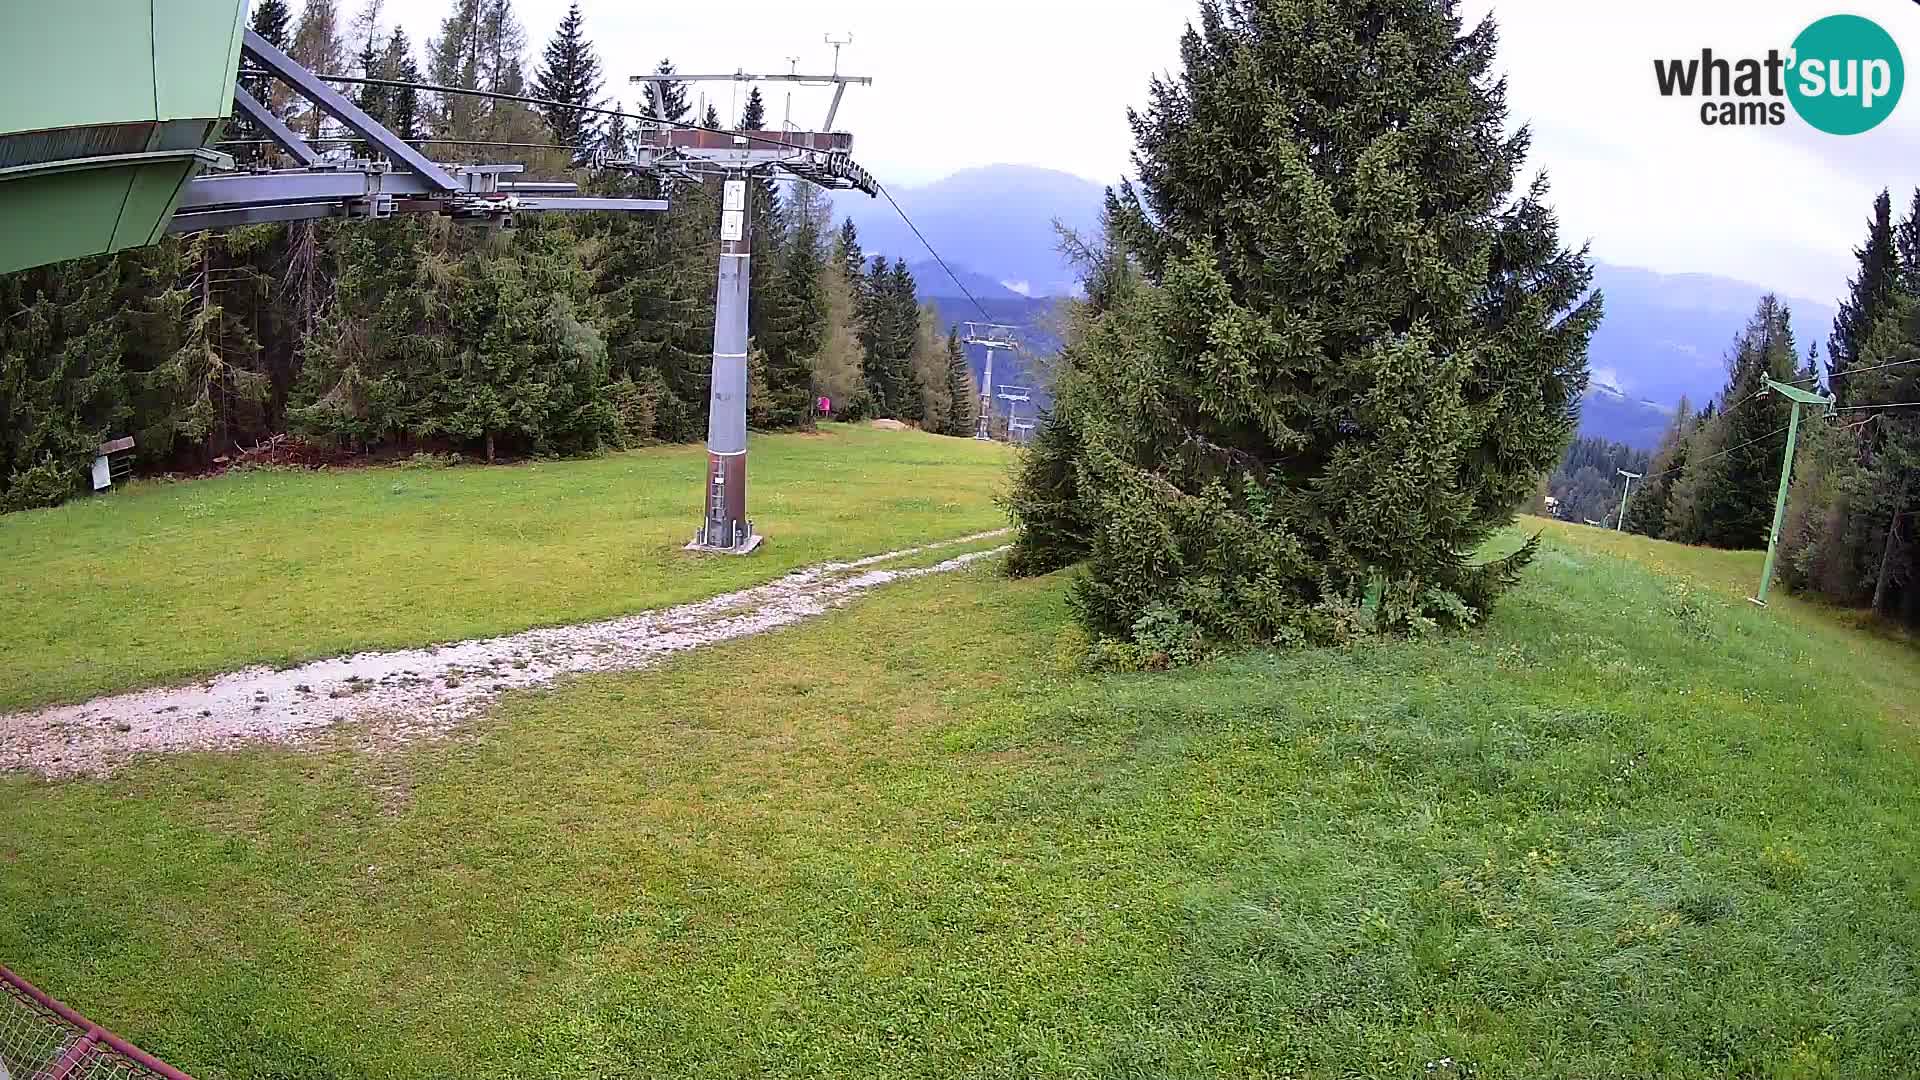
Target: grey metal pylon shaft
{"x": 983, "y": 427}
{"x": 725, "y": 526}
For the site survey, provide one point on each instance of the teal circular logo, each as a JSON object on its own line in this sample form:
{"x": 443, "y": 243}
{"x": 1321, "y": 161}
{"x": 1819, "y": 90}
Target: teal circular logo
{"x": 1847, "y": 75}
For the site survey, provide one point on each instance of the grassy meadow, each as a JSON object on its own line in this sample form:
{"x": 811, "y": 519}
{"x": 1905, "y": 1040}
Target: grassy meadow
{"x": 1633, "y": 827}
{"x": 165, "y": 582}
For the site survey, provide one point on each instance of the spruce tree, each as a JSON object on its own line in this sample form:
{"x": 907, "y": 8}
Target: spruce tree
{"x": 372, "y": 99}
{"x": 366, "y": 31}
{"x": 402, "y": 103}
{"x": 846, "y": 251}
{"x": 1725, "y": 496}
{"x": 1647, "y": 510}
{"x": 1907, "y": 245}
{"x": 754, "y": 116}
{"x": 653, "y": 285}
{"x": 570, "y": 72}
{"x": 795, "y": 303}
{"x": 712, "y": 118}
{"x": 679, "y": 107}
{"x": 1869, "y": 292}
{"x": 961, "y": 390}
{"x": 270, "y": 21}
{"x": 63, "y": 388}
{"x": 1356, "y": 349}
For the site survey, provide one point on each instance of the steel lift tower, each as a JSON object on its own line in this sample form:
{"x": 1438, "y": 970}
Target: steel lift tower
{"x": 993, "y": 336}
{"x": 682, "y": 154}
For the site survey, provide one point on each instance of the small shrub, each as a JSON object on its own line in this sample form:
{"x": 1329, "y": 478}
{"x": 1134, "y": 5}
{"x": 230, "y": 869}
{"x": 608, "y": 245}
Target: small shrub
{"x": 50, "y": 482}
{"x": 1163, "y": 633}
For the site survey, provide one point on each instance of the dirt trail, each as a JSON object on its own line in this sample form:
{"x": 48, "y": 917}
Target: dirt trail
{"x": 414, "y": 693}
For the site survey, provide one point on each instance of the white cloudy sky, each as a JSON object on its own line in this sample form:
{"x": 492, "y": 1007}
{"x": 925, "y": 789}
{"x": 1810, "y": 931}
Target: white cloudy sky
{"x": 1047, "y": 82}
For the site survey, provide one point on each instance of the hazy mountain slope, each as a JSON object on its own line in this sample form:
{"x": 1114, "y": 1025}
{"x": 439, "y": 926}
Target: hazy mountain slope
{"x": 1664, "y": 335}
{"x": 996, "y": 220}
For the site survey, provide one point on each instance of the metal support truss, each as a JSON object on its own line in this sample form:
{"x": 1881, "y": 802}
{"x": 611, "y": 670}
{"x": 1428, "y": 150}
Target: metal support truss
{"x": 991, "y": 336}
{"x": 405, "y": 182}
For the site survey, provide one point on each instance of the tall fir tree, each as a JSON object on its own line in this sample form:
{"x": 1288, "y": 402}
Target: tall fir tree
{"x": 754, "y": 116}
{"x": 1647, "y": 510}
{"x": 795, "y": 303}
{"x": 679, "y": 104}
{"x": 402, "y": 103}
{"x": 1907, "y": 246}
{"x": 1725, "y": 496}
{"x": 1869, "y": 292}
{"x": 961, "y": 389}
{"x": 570, "y": 72}
{"x": 1357, "y": 347}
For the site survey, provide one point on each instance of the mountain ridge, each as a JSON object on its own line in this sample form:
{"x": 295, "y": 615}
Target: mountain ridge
{"x": 1664, "y": 336}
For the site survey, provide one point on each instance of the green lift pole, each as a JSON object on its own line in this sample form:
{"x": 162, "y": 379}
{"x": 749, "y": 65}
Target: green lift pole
{"x": 1799, "y": 397}
{"x": 1620, "y": 523}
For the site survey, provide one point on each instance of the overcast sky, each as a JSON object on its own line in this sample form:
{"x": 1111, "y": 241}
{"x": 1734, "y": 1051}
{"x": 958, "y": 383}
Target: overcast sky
{"x": 1047, "y": 82}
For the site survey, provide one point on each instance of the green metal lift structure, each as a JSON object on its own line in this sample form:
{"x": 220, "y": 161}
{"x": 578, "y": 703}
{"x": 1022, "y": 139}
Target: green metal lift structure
{"x": 110, "y": 112}
{"x": 1799, "y": 398}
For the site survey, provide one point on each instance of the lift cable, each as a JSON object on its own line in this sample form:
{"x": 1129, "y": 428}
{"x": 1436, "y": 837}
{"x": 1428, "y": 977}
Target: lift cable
{"x": 524, "y": 99}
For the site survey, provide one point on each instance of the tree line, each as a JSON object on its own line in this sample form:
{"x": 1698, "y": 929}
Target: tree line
{"x": 565, "y": 335}
{"x": 1587, "y": 483}
{"x": 1848, "y": 530}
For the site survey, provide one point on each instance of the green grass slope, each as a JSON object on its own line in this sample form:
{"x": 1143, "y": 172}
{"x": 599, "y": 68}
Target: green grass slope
{"x": 1634, "y": 827}
{"x": 166, "y": 582}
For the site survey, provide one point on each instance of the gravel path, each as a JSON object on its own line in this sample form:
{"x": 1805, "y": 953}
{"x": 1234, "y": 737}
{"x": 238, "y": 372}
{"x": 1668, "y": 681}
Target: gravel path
{"x": 416, "y": 693}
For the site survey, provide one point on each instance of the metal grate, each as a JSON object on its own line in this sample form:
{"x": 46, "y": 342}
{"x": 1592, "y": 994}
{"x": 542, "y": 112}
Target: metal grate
{"x": 41, "y": 1039}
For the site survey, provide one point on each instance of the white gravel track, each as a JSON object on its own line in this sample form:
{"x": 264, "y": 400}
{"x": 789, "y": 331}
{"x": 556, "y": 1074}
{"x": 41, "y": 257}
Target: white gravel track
{"x": 418, "y": 693}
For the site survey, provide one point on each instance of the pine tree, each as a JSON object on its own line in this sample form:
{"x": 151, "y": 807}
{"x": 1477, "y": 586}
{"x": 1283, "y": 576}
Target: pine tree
{"x": 270, "y": 19}
{"x": 1356, "y": 349}
{"x": 316, "y": 44}
{"x": 795, "y": 304}
{"x": 503, "y": 45}
{"x": 838, "y": 364}
{"x": 679, "y": 107}
{"x": 754, "y": 117}
{"x": 846, "y": 251}
{"x": 402, "y": 104}
{"x": 961, "y": 389}
{"x": 1647, "y": 510}
{"x": 1725, "y": 496}
{"x": 453, "y": 59}
{"x": 570, "y": 72}
{"x": 1869, "y": 292}
{"x": 1907, "y": 244}
{"x": 653, "y": 286}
